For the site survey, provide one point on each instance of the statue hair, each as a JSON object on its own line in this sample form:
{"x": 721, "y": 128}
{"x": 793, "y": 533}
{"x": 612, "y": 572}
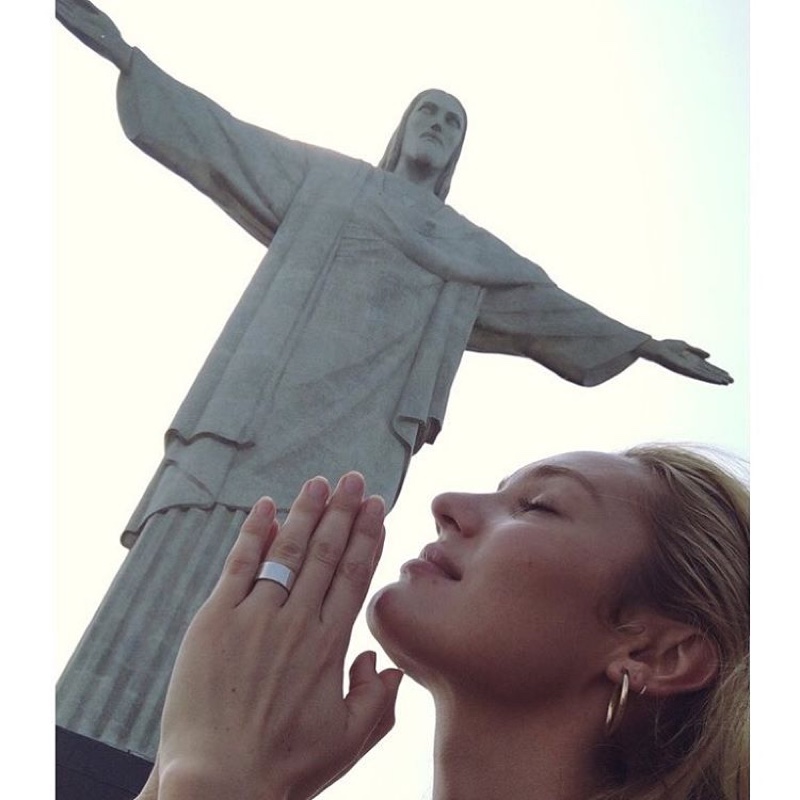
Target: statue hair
{"x": 392, "y": 155}
{"x": 697, "y": 572}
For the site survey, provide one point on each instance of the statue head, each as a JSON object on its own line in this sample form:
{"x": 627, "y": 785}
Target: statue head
{"x": 395, "y": 148}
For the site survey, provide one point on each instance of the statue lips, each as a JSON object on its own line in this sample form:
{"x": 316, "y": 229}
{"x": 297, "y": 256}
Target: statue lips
{"x": 431, "y": 135}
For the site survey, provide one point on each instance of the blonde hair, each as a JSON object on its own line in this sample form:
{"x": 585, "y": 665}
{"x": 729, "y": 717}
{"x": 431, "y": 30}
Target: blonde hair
{"x": 697, "y": 572}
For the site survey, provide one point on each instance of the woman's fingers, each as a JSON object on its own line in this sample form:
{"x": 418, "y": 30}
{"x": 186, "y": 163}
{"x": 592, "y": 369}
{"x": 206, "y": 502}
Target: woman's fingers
{"x": 247, "y": 552}
{"x": 290, "y": 545}
{"x": 331, "y": 546}
{"x": 329, "y": 542}
{"x": 350, "y": 583}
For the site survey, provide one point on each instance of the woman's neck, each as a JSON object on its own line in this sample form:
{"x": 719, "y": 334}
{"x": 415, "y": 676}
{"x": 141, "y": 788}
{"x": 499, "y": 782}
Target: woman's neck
{"x": 485, "y": 751}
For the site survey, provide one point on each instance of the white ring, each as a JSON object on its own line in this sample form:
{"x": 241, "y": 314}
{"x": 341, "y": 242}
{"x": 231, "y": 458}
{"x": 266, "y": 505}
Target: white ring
{"x": 277, "y": 573}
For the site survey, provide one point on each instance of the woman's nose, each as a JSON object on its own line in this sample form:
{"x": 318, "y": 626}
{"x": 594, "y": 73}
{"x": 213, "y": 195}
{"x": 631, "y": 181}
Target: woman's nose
{"x": 456, "y": 513}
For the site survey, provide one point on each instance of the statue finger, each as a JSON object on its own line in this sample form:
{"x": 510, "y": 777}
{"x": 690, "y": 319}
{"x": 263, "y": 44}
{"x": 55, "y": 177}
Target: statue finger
{"x": 697, "y": 351}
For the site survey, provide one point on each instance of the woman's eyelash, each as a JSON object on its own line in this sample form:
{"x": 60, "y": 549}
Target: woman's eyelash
{"x": 536, "y": 505}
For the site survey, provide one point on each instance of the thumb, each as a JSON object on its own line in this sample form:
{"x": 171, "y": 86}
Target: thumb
{"x": 363, "y": 674}
{"x": 697, "y": 351}
{"x": 391, "y": 680}
{"x": 371, "y": 697}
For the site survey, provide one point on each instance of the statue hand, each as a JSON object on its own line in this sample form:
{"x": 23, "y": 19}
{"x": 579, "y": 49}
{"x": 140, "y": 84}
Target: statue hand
{"x": 255, "y": 706}
{"x": 95, "y": 29}
{"x": 684, "y": 359}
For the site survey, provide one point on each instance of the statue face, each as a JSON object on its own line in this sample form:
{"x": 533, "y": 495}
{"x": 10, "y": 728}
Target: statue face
{"x": 434, "y": 130}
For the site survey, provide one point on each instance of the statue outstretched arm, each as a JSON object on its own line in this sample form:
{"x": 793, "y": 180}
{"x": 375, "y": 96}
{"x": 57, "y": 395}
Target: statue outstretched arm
{"x": 249, "y": 172}
{"x": 95, "y": 29}
{"x": 575, "y": 340}
{"x": 684, "y": 359}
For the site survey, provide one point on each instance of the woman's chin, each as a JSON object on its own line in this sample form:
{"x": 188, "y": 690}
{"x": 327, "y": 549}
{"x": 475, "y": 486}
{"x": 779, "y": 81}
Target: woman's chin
{"x": 406, "y": 637}
{"x": 378, "y": 609}
{"x": 392, "y": 625}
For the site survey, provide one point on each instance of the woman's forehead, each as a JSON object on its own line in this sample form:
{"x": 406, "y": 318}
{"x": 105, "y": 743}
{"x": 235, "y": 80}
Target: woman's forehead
{"x": 596, "y": 470}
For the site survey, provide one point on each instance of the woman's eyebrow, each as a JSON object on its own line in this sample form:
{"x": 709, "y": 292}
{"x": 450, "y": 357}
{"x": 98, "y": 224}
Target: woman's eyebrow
{"x": 554, "y": 471}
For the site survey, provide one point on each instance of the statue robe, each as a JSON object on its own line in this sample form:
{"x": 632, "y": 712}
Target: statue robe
{"x": 341, "y": 353}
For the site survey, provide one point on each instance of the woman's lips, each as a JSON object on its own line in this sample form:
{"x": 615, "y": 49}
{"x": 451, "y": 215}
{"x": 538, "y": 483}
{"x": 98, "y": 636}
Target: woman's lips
{"x": 434, "y": 559}
{"x": 422, "y": 567}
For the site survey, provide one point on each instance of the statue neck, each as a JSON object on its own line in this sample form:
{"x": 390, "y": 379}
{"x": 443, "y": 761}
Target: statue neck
{"x": 418, "y": 172}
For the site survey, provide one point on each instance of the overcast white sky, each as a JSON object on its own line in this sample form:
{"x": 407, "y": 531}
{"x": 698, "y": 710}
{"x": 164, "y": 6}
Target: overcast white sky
{"x": 607, "y": 142}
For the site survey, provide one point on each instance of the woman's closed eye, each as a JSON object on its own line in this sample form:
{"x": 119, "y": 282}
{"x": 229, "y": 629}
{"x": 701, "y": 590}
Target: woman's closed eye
{"x": 527, "y": 504}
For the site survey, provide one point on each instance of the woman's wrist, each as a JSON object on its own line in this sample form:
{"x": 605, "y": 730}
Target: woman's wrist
{"x": 195, "y": 782}
{"x": 184, "y": 781}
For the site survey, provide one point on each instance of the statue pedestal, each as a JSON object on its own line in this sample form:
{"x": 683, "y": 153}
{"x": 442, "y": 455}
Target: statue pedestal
{"x": 90, "y": 770}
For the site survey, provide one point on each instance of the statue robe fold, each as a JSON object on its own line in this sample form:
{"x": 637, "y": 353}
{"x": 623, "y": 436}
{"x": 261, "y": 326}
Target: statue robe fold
{"x": 341, "y": 352}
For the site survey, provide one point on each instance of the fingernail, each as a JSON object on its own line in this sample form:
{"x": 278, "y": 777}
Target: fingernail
{"x": 375, "y": 505}
{"x": 353, "y": 483}
{"x": 317, "y": 488}
{"x": 264, "y": 507}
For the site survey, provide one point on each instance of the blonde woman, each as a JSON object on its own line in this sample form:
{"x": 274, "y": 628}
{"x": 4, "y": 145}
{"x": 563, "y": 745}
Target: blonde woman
{"x": 583, "y": 631}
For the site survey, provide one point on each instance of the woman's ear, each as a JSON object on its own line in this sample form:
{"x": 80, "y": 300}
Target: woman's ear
{"x": 664, "y": 657}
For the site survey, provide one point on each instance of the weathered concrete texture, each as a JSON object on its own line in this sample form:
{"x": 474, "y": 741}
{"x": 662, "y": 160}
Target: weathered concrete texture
{"x": 114, "y": 685}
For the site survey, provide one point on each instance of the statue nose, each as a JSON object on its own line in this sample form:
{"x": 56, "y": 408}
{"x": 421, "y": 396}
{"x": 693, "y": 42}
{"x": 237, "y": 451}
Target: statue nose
{"x": 436, "y": 127}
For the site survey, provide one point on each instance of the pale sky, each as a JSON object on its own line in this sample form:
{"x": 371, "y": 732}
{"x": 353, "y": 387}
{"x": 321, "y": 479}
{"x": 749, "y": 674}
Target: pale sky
{"x": 607, "y": 142}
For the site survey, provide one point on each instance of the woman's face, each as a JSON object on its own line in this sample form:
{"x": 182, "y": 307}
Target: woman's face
{"x": 515, "y": 597}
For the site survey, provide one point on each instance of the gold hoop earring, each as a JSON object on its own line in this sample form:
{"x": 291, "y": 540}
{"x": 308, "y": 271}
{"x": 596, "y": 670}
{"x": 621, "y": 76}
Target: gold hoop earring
{"x": 616, "y": 705}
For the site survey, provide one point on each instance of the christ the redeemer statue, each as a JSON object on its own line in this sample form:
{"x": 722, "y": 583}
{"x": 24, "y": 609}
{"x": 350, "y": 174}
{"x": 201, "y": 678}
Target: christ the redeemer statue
{"x": 340, "y": 354}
